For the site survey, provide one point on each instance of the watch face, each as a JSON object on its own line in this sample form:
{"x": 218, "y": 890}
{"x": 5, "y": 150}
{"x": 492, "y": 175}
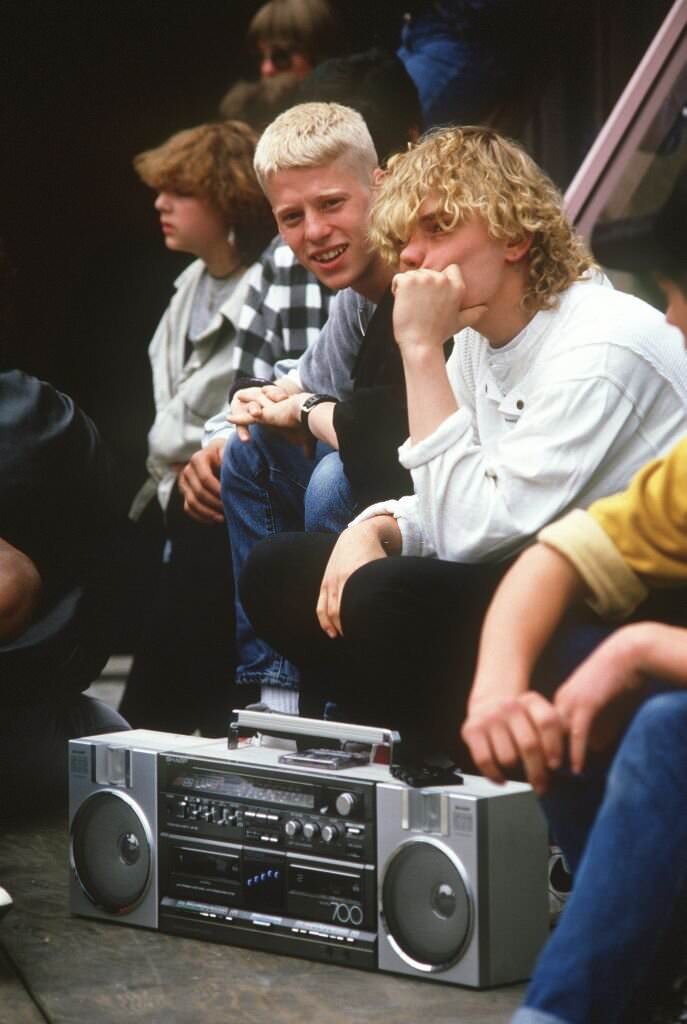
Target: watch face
{"x": 309, "y": 403}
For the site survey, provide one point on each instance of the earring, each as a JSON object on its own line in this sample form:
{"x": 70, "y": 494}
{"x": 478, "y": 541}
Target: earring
{"x": 231, "y": 237}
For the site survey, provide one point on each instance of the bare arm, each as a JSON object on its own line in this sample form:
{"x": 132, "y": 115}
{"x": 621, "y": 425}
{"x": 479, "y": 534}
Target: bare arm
{"x": 20, "y": 590}
{"x": 506, "y": 723}
{"x": 321, "y": 423}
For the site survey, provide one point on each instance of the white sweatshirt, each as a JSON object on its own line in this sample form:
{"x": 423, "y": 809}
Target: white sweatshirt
{"x": 563, "y": 414}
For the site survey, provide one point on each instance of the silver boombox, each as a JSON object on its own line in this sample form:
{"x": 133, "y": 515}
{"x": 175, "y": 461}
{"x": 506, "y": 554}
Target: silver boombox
{"x": 323, "y": 855}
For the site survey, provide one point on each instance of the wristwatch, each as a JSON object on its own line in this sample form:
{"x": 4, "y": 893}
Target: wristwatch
{"x": 309, "y": 403}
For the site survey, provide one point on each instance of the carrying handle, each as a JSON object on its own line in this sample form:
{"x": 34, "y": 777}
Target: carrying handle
{"x": 294, "y": 727}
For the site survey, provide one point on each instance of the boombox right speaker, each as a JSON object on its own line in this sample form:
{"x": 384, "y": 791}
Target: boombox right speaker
{"x": 462, "y": 882}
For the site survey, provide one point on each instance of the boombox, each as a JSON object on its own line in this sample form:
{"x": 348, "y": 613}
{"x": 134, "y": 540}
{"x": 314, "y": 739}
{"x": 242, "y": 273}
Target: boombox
{"x": 321, "y": 854}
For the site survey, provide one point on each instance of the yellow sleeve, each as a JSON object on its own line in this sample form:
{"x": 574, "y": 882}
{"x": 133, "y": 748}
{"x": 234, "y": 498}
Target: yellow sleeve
{"x": 648, "y": 522}
{"x": 630, "y": 539}
{"x": 614, "y": 589}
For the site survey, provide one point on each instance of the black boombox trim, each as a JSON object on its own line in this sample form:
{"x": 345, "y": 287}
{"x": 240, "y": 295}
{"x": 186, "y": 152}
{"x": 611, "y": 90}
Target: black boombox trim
{"x": 348, "y": 865}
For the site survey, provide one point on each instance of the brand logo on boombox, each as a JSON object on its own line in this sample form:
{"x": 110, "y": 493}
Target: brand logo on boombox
{"x": 340, "y": 864}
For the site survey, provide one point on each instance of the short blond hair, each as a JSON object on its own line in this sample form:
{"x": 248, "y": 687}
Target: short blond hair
{"x": 474, "y": 170}
{"x": 313, "y": 134}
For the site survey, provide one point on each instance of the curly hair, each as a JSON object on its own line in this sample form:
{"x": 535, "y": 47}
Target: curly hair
{"x": 215, "y": 162}
{"x": 474, "y": 170}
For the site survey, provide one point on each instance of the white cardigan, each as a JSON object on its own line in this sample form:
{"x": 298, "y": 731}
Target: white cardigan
{"x": 187, "y": 392}
{"x": 563, "y": 414}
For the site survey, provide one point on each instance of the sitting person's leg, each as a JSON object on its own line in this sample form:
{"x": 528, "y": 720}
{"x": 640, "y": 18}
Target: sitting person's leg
{"x": 410, "y": 631}
{"x": 270, "y": 486}
{"x": 263, "y": 487}
{"x": 182, "y": 675}
{"x": 630, "y": 878}
{"x": 329, "y": 504}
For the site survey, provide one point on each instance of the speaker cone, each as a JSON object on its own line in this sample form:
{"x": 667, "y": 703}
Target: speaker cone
{"x": 111, "y": 851}
{"x": 426, "y": 905}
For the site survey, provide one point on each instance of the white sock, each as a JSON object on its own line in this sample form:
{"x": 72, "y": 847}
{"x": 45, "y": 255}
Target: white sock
{"x": 278, "y": 698}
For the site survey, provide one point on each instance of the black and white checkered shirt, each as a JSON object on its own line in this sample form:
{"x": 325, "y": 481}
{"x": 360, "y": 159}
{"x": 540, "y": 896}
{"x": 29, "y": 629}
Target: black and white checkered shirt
{"x": 284, "y": 311}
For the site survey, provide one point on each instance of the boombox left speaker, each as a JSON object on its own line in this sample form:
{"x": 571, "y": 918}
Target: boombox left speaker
{"x": 113, "y": 824}
{"x": 462, "y": 882}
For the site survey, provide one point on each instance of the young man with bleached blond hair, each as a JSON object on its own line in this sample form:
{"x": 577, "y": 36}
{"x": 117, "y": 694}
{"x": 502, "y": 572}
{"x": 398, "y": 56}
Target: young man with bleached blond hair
{"x": 557, "y": 389}
{"x": 316, "y": 163}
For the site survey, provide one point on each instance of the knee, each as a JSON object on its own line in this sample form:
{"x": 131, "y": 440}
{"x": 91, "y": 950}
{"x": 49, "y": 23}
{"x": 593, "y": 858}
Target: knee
{"x": 266, "y": 578}
{"x": 371, "y": 590}
{"x": 238, "y": 457}
{"x": 661, "y": 718}
{"x": 655, "y": 737}
{"x": 328, "y": 497}
{"x": 259, "y": 567}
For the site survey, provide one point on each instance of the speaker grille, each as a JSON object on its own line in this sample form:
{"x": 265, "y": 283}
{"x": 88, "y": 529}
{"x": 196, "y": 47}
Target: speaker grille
{"x": 426, "y": 905}
{"x": 111, "y": 851}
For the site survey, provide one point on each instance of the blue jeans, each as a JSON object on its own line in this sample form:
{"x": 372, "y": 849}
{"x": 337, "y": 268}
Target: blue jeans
{"x": 623, "y": 829}
{"x": 270, "y": 486}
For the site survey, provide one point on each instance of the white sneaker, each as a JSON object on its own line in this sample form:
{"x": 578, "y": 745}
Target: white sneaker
{"x": 5, "y": 902}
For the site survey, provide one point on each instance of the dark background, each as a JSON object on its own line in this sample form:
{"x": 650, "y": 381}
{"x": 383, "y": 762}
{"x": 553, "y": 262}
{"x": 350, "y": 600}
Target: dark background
{"x": 87, "y": 85}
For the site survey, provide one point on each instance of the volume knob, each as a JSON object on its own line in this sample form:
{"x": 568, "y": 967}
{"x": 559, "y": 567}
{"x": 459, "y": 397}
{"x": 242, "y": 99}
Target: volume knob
{"x": 329, "y": 833}
{"x": 292, "y": 827}
{"x": 345, "y": 803}
{"x": 310, "y": 830}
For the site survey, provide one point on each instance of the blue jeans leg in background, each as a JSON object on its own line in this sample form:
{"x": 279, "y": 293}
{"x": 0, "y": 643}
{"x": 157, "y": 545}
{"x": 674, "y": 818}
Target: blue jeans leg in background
{"x": 270, "y": 486}
{"x": 630, "y": 876}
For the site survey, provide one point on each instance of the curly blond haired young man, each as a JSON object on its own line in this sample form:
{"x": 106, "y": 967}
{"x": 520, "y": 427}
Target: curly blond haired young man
{"x": 557, "y": 389}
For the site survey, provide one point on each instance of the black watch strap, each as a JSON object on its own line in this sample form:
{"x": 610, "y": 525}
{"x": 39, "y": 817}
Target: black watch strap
{"x": 309, "y": 404}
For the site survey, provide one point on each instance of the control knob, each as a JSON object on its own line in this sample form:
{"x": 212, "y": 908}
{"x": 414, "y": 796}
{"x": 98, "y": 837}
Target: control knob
{"x": 330, "y": 833}
{"x": 310, "y": 830}
{"x": 292, "y": 827}
{"x": 345, "y": 803}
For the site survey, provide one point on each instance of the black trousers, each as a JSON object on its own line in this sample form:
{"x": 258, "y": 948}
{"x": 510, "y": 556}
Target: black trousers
{"x": 411, "y": 628}
{"x": 34, "y": 747}
{"x": 411, "y": 633}
{"x": 182, "y": 676}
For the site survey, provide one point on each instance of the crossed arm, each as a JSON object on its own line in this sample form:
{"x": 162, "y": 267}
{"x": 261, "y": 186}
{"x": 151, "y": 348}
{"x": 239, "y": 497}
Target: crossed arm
{"x": 274, "y": 405}
{"x": 509, "y": 724}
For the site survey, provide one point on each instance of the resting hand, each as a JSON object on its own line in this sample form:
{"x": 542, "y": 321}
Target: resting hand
{"x": 248, "y": 404}
{"x": 526, "y": 729}
{"x": 199, "y": 484}
{"x": 428, "y": 307}
{"x": 355, "y": 547}
{"x": 597, "y": 700}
